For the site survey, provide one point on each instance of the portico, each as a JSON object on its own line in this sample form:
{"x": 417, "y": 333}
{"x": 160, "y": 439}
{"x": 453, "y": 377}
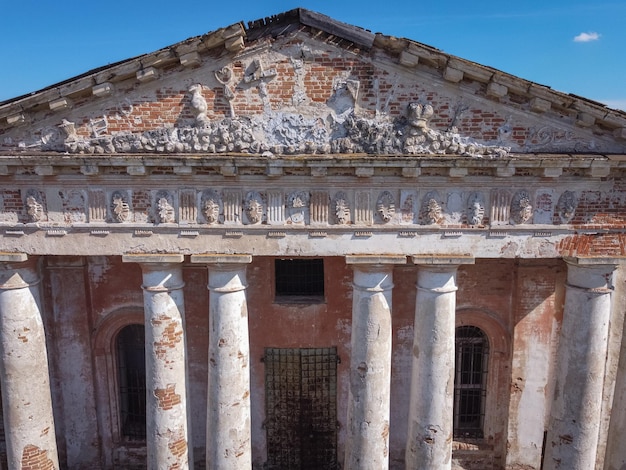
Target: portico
{"x": 299, "y": 244}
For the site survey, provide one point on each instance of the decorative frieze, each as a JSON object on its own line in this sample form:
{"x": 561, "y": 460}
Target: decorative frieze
{"x": 386, "y": 206}
{"x": 341, "y": 208}
{"x": 187, "y": 209}
{"x": 232, "y": 207}
{"x": 298, "y": 208}
{"x": 253, "y": 208}
{"x": 500, "y": 207}
{"x": 521, "y": 208}
{"x": 566, "y": 206}
{"x": 363, "y": 214}
{"x": 319, "y": 207}
{"x": 475, "y": 209}
{"x": 33, "y": 206}
{"x": 445, "y": 207}
{"x": 275, "y": 208}
{"x": 431, "y": 211}
{"x": 120, "y": 209}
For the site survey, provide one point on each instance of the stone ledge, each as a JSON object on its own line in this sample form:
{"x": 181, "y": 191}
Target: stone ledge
{"x": 442, "y": 259}
{"x": 375, "y": 259}
{"x": 13, "y": 257}
{"x": 221, "y": 259}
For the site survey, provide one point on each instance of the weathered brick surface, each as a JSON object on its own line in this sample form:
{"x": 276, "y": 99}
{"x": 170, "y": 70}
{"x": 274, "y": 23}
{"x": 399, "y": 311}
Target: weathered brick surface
{"x": 34, "y": 458}
{"x": 167, "y": 397}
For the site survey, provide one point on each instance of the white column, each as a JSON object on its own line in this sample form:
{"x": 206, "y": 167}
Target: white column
{"x": 572, "y": 438}
{"x": 367, "y": 444}
{"x": 228, "y": 402}
{"x": 27, "y": 403}
{"x": 429, "y": 438}
{"x": 167, "y": 436}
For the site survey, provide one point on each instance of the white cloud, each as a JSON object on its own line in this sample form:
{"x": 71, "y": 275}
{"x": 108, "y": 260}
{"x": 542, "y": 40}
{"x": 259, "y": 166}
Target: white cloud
{"x": 587, "y": 37}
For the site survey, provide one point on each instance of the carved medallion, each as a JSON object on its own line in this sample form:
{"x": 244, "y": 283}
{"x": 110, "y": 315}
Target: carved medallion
{"x": 475, "y": 209}
{"x": 165, "y": 208}
{"x": 386, "y": 206}
{"x": 74, "y": 207}
{"x": 120, "y": 210}
{"x": 566, "y": 206}
{"x": 521, "y": 208}
{"x": 253, "y": 208}
{"x": 298, "y": 204}
{"x": 210, "y": 206}
{"x": 341, "y": 208}
{"x": 431, "y": 212}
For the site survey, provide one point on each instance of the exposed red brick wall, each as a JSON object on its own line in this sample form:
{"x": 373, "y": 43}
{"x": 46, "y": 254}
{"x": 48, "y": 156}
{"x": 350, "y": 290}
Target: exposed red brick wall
{"x": 167, "y": 397}
{"x": 34, "y": 458}
{"x": 610, "y": 244}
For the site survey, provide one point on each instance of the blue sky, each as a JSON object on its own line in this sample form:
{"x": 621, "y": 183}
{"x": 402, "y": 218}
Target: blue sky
{"x": 572, "y": 46}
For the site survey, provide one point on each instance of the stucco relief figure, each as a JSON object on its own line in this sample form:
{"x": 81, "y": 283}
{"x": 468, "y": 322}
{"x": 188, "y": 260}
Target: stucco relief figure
{"x": 199, "y": 105}
{"x": 521, "y": 208}
{"x": 120, "y": 210}
{"x": 386, "y": 206}
{"x": 431, "y": 212}
{"x": 224, "y": 76}
{"x": 210, "y": 207}
{"x": 165, "y": 208}
{"x": 475, "y": 209}
{"x": 33, "y": 206}
{"x": 341, "y": 208}
{"x": 419, "y": 115}
{"x": 253, "y": 208}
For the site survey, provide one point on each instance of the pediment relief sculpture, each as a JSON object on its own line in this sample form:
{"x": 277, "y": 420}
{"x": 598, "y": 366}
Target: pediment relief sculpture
{"x": 280, "y": 133}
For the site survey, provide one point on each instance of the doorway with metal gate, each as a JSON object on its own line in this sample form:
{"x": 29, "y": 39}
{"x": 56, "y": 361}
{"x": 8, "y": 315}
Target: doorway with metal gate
{"x": 301, "y": 408}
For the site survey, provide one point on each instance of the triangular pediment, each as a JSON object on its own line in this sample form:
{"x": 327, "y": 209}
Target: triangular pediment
{"x": 301, "y": 83}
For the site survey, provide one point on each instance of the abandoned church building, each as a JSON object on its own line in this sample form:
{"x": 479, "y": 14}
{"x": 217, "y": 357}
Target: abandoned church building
{"x": 297, "y": 244}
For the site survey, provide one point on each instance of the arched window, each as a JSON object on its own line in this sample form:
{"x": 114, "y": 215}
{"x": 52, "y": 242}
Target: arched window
{"x": 131, "y": 367}
{"x": 470, "y": 381}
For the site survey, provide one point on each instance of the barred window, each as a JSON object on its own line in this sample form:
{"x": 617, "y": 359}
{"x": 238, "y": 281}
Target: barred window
{"x": 131, "y": 366}
{"x": 472, "y": 354}
{"x": 299, "y": 279}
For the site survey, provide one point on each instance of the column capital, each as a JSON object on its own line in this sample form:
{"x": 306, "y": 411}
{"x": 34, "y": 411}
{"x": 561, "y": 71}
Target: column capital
{"x": 212, "y": 258}
{"x": 591, "y": 274}
{"x": 439, "y": 260}
{"x": 160, "y": 258}
{"x": 375, "y": 259}
{"x": 18, "y": 271}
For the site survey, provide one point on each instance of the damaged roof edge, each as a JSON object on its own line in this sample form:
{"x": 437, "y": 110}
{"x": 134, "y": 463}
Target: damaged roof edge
{"x": 284, "y": 22}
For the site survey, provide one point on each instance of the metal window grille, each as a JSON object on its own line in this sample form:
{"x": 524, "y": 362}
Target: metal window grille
{"x": 131, "y": 366}
{"x": 301, "y": 408}
{"x": 299, "y": 277}
{"x": 472, "y": 357}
